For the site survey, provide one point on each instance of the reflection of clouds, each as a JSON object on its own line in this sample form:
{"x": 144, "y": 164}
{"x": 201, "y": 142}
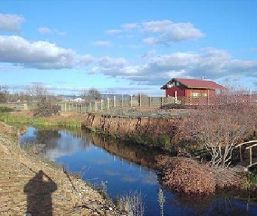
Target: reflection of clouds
{"x": 102, "y": 161}
{"x": 66, "y": 145}
{"x": 111, "y": 173}
{"x": 57, "y": 143}
{"x": 129, "y": 179}
{"x": 28, "y": 137}
{"x": 151, "y": 178}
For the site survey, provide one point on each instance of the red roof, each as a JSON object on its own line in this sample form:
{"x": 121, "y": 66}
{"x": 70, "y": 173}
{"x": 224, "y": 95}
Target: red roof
{"x": 194, "y": 83}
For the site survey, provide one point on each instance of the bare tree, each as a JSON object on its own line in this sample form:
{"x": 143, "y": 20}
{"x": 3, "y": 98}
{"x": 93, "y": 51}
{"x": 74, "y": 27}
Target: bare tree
{"x": 91, "y": 94}
{"x": 45, "y": 102}
{"x": 3, "y": 93}
{"x": 38, "y": 92}
{"x": 221, "y": 127}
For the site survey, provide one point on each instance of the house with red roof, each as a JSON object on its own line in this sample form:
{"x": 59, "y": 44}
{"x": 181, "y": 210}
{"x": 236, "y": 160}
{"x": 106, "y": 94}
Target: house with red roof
{"x": 194, "y": 90}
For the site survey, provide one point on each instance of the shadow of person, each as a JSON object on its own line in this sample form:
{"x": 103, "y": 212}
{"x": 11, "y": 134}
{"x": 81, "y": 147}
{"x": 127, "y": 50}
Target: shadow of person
{"x": 39, "y": 191}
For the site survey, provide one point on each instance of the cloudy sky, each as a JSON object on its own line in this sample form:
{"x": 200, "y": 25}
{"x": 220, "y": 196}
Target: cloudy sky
{"x": 126, "y": 46}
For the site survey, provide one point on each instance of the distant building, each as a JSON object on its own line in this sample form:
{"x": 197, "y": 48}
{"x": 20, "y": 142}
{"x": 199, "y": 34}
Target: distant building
{"x": 78, "y": 100}
{"x": 194, "y": 91}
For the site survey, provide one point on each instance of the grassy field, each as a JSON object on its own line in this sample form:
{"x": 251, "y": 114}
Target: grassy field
{"x": 26, "y": 118}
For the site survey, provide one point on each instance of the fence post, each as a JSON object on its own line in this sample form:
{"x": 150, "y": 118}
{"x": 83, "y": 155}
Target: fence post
{"x": 161, "y": 101}
{"x": 250, "y": 96}
{"x": 114, "y": 101}
{"x": 150, "y": 101}
{"x": 108, "y": 103}
{"x": 122, "y": 100}
{"x": 131, "y": 100}
{"x": 90, "y": 107}
{"x": 95, "y": 106}
{"x": 208, "y": 99}
{"x": 25, "y": 106}
{"x": 101, "y": 104}
{"x": 140, "y": 103}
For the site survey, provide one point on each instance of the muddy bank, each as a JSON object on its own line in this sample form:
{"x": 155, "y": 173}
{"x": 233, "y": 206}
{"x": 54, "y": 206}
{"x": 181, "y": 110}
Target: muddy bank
{"x": 154, "y": 132}
{"x": 28, "y": 184}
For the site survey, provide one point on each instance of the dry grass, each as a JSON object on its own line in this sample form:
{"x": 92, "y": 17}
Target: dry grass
{"x": 20, "y": 178}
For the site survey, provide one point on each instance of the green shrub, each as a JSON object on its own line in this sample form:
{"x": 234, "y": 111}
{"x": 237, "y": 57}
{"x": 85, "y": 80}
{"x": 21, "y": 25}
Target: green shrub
{"x": 6, "y": 109}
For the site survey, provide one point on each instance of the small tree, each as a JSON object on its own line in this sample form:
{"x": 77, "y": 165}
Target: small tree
{"x": 3, "y": 94}
{"x": 91, "y": 94}
{"x": 45, "y": 106}
{"x": 38, "y": 92}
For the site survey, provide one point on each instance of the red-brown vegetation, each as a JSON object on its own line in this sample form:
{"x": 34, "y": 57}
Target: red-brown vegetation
{"x": 219, "y": 128}
{"x": 191, "y": 177}
{"x": 187, "y": 175}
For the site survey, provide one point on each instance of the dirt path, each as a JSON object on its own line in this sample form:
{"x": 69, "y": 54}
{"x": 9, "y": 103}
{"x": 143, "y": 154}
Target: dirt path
{"x": 28, "y": 184}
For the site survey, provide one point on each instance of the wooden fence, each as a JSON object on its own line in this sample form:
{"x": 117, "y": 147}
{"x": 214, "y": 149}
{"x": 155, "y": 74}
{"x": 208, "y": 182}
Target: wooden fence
{"x": 15, "y": 106}
{"x": 118, "y": 103}
{"x": 139, "y": 102}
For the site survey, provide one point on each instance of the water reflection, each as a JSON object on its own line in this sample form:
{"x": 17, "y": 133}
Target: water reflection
{"x": 126, "y": 168}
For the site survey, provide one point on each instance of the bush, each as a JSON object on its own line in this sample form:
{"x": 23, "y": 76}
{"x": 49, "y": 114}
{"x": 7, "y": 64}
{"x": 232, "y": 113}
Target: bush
{"x": 46, "y": 109}
{"x": 6, "y": 109}
{"x": 219, "y": 129}
{"x": 187, "y": 175}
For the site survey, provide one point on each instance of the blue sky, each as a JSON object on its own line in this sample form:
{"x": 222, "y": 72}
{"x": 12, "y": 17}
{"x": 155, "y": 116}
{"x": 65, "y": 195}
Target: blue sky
{"x": 126, "y": 46}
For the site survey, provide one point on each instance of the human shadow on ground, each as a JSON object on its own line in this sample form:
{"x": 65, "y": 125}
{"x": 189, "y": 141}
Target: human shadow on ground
{"x": 39, "y": 191}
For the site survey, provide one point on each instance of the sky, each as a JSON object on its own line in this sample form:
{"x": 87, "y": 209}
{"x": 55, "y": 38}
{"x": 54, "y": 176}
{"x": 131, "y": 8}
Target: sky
{"x": 126, "y": 46}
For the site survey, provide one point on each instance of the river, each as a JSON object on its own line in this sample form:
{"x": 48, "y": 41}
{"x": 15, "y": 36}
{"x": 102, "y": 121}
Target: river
{"x": 125, "y": 169}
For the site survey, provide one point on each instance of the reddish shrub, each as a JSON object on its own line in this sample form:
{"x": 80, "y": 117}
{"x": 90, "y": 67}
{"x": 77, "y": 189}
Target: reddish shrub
{"x": 187, "y": 175}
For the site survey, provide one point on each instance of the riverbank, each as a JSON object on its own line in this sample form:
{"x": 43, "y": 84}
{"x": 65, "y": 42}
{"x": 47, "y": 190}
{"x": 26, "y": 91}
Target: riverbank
{"x": 151, "y": 132}
{"x": 154, "y": 133}
{"x": 181, "y": 174}
{"x": 28, "y": 184}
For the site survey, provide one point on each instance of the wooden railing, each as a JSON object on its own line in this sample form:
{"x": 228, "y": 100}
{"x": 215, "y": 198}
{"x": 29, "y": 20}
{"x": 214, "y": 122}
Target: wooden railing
{"x": 248, "y": 146}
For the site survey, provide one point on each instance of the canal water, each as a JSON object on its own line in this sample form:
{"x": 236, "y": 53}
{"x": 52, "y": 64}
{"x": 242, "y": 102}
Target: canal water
{"x": 124, "y": 169}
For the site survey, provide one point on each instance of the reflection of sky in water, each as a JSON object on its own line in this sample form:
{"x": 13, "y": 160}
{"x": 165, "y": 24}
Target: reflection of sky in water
{"x": 123, "y": 177}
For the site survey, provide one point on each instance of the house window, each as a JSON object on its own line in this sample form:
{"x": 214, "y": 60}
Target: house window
{"x": 196, "y": 94}
{"x": 218, "y": 91}
{"x": 176, "y": 83}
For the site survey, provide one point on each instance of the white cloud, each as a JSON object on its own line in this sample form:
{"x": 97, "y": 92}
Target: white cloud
{"x": 167, "y": 31}
{"x": 123, "y": 28}
{"x": 113, "y": 31}
{"x": 129, "y": 26}
{"x": 39, "y": 54}
{"x": 107, "y": 65}
{"x": 150, "y": 40}
{"x": 161, "y": 31}
{"x": 210, "y": 63}
{"x": 46, "y": 30}
{"x": 102, "y": 43}
{"x": 151, "y": 69}
{"x": 10, "y": 22}
{"x": 86, "y": 59}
